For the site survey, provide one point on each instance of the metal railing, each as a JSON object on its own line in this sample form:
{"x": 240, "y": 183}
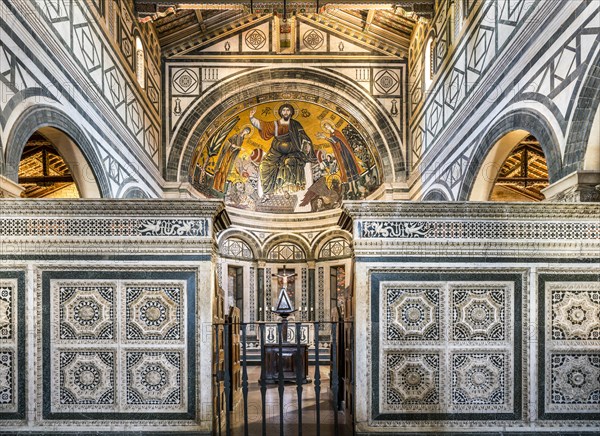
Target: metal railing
{"x": 273, "y": 356}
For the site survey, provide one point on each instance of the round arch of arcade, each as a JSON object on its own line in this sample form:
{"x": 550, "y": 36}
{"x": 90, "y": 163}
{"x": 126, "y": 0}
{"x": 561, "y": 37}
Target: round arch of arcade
{"x": 70, "y": 140}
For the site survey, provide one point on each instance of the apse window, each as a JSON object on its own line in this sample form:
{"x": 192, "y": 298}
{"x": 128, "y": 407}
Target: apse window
{"x": 140, "y": 70}
{"x": 43, "y": 172}
{"x": 523, "y": 174}
{"x": 429, "y": 62}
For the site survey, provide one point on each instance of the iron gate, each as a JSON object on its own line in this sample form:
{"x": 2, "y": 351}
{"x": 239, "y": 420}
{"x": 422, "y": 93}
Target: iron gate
{"x": 276, "y": 349}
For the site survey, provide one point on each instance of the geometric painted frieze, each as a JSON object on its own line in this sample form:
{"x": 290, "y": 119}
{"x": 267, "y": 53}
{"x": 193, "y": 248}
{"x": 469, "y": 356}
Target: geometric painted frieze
{"x": 154, "y": 378}
{"x": 154, "y": 313}
{"x": 479, "y": 314}
{"x": 494, "y": 230}
{"x": 86, "y": 312}
{"x": 412, "y": 382}
{"x": 575, "y": 314}
{"x": 574, "y": 384}
{"x": 412, "y": 314}
{"x": 480, "y": 382}
{"x": 58, "y": 227}
{"x": 85, "y": 379}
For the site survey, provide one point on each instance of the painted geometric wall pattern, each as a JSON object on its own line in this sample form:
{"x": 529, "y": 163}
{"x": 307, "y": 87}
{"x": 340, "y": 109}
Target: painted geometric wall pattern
{"x": 456, "y": 323}
{"x": 96, "y": 369}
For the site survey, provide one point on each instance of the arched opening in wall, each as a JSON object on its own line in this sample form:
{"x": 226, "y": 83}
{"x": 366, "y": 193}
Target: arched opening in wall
{"x": 591, "y": 161}
{"x": 140, "y": 66}
{"x": 52, "y": 166}
{"x": 515, "y": 170}
{"x": 428, "y": 75}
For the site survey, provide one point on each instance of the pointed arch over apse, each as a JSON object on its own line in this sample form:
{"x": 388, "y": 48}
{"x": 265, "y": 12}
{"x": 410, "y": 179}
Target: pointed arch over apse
{"x": 69, "y": 139}
{"x": 322, "y": 84}
{"x": 498, "y": 142}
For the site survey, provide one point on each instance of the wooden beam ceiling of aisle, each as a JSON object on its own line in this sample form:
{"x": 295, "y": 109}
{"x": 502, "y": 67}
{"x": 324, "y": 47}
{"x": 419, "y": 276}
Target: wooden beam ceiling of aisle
{"x": 389, "y": 23}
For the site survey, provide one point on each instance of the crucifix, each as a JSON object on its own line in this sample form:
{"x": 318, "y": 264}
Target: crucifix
{"x": 284, "y": 306}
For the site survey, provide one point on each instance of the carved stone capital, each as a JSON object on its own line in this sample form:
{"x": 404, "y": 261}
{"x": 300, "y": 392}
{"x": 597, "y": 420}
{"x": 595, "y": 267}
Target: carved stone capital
{"x": 579, "y": 186}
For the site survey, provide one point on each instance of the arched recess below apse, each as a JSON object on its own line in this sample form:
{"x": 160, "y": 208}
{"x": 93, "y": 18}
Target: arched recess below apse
{"x": 287, "y": 238}
{"x": 498, "y": 142}
{"x": 327, "y": 237}
{"x": 250, "y": 86}
{"x": 70, "y": 141}
{"x": 246, "y": 237}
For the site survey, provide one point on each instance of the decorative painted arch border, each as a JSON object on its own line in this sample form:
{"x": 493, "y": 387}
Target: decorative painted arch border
{"x": 39, "y": 116}
{"x": 581, "y": 123}
{"x": 367, "y": 111}
{"x": 520, "y": 119}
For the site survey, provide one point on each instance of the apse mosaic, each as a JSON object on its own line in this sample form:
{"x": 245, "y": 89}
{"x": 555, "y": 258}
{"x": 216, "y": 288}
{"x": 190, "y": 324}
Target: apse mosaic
{"x": 285, "y": 156}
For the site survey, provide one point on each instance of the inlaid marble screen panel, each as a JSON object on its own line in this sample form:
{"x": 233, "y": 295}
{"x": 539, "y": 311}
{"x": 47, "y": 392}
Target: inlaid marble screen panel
{"x": 12, "y": 345}
{"x": 447, "y": 346}
{"x": 569, "y": 352}
{"x": 118, "y": 345}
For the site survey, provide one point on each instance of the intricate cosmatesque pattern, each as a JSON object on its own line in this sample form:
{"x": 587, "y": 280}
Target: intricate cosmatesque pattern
{"x": 86, "y": 378}
{"x": 7, "y": 379}
{"x": 478, "y": 230}
{"x": 95, "y": 57}
{"x": 86, "y": 312}
{"x": 252, "y": 298}
{"x": 575, "y": 314}
{"x": 321, "y": 294}
{"x": 432, "y": 330}
{"x": 268, "y": 297}
{"x": 154, "y": 313}
{"x": 480, "y": 379}
{"x": 7, "y": 312}
{"x": 8, "y": 346}
{"x": 154, "y": 379}
{"x": 479, "y": 314}
{"x": 58, "y": 227}
{"x": 97, "y": 369}
{"x": 412, "y": 382}
{"x": 574, "y": 382}
{"x": 304, "y": 294}
{"x": 412, "y": 314}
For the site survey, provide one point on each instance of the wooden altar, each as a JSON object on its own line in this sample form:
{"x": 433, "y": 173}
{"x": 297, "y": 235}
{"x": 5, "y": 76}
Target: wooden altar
{"x": 288, "y": 361}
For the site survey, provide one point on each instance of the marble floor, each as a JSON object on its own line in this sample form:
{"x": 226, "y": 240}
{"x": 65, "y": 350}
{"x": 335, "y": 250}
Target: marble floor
{"x": 309, "y": 415}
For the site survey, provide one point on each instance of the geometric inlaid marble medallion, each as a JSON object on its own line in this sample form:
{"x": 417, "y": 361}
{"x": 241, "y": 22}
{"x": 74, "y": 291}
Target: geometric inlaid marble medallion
{"x": 154, "y": 378}
{"x": 86, "y": 378}
{"x": 412, "y": 314}
{"x": 154, "y": 313}
{"x": 479, "y": 314}
{"x": 412, "y": 382}
{"x": 574, "y": 382}
{"x": 480, "y": 382}
{"x": 86, "y": 312}
{"x": 575, "y": 314}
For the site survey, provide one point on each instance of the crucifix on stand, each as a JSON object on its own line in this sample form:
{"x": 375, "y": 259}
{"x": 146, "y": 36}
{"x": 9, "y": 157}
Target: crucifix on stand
{"x": 284, "y": 306}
